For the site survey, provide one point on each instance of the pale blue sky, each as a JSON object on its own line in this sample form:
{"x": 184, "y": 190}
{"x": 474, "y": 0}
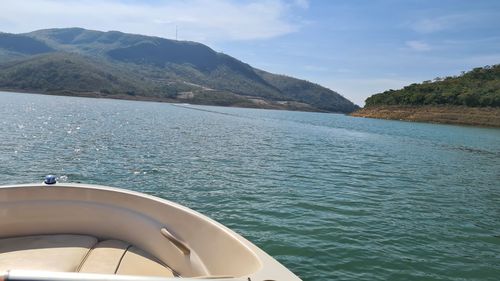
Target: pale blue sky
{"x": 356, "y": 47}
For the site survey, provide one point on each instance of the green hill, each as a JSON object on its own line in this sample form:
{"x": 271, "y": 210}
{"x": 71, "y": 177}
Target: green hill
{"x": 59, "y": 72}
{"x": 22, "y": 44}
{"x": 75, "y": 61}
{"x": 479, "y": 87}
{"x": 472, "y": 98}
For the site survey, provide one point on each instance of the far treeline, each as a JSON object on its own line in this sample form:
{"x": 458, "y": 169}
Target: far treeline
{"x": 479, "y": 87}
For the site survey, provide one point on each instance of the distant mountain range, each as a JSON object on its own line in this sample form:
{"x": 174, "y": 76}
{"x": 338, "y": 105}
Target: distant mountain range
{"x": 80, "y": 62}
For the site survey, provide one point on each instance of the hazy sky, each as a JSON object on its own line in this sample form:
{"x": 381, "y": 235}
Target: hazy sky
{"x": 354, "y": 47}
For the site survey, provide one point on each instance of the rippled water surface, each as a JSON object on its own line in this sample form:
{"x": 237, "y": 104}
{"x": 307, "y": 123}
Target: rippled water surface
{"x": 332, "y": 197}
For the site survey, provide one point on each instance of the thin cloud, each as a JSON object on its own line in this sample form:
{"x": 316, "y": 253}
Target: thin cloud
{"x": 431, "y": 25}
{"x": 446, "y": 22}
{"x": 418, "y": 46}
{"x": 316, "y": 68}
{"x": 196, "y": 20}
{"x": 304, "y": 4}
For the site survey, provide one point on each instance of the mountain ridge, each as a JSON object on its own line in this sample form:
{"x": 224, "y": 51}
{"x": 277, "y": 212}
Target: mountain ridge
{"x": 159, "y": 68}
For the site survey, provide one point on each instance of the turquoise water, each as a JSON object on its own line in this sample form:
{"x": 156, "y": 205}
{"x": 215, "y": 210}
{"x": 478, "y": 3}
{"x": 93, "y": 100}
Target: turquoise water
{"x": 330, "y": 196}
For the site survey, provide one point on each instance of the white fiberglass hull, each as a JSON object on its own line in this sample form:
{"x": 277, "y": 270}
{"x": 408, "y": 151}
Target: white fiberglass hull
{"x": 187, "y": 243}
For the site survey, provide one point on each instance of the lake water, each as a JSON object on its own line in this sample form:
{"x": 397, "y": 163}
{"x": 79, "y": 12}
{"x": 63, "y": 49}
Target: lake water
{"x": 332, "y": 197}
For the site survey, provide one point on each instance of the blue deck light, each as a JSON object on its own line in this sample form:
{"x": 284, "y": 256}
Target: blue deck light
{"x": 50, "y": 179}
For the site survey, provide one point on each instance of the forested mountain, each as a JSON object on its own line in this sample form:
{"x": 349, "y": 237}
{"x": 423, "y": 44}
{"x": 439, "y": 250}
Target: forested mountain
{"x": 76, "y": 61}
{"x": 479, "y": 87}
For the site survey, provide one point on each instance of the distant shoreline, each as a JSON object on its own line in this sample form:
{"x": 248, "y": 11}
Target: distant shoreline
{"x": 458, "y": 115}
{"x": 293, "y": 106}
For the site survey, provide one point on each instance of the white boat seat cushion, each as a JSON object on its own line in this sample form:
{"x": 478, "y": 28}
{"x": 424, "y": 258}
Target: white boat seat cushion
{"x": 45, "y": 252}
{"x": 117, "y": 257}
{"x": 105, "y": 257}
{"x": 137, "y": 262}
{"x": 77, "y": 253}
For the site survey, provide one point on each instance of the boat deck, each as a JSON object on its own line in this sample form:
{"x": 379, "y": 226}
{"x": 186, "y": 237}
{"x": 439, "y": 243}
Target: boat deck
{"x": 78, "y": 253}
